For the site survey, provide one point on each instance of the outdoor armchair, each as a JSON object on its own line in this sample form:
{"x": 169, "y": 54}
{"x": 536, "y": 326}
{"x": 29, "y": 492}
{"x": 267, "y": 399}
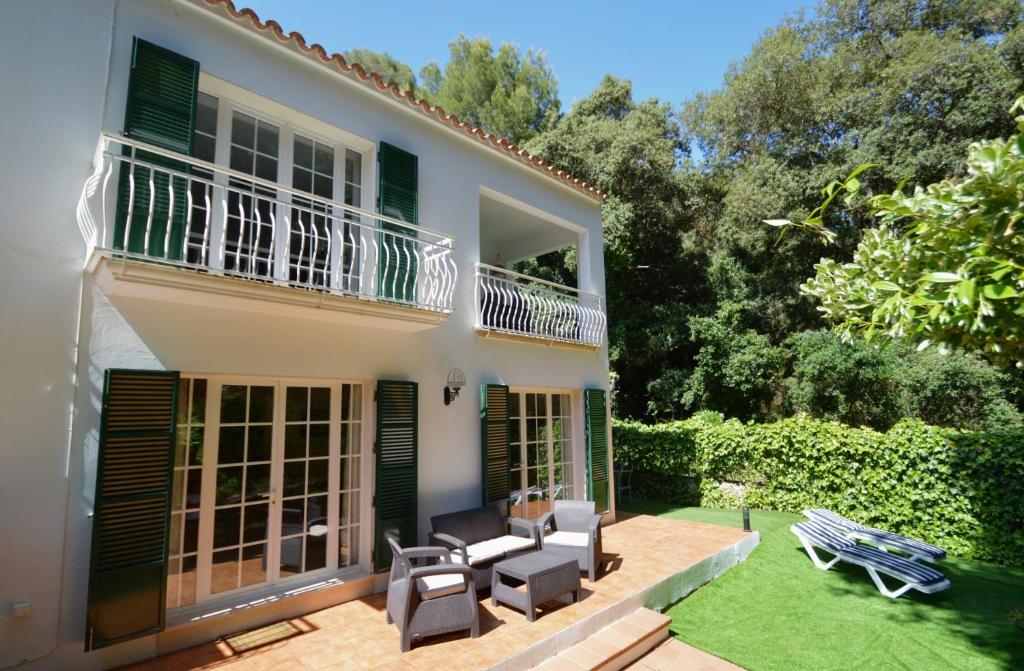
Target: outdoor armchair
{"x": 576, "y": 531}
{"x": 432, "y": 599}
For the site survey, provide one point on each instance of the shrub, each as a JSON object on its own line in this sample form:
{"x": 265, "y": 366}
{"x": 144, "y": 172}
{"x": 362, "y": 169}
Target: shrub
{"x": 960, "y": 390}
{"x": 959, "y": 489}
{"x": 877, "y": 385}
{"x": 853, "y": 382}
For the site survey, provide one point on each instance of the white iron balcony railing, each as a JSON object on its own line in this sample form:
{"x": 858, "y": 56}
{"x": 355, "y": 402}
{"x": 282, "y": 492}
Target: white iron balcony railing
{"x": 147, "y": 203}
{"x": 510, "y": 302}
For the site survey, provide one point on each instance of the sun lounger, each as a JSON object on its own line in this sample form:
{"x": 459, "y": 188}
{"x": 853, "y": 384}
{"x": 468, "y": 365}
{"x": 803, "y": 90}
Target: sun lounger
{"x": 877, "y": 562}
{"x": 884, "y": 540}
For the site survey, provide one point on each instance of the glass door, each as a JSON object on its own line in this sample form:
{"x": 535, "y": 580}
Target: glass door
{"x": 266, "y": 484}
{"x": 242, "y": 505}
{"x": 304, "y": 528}
{"x": 541, "y": 445}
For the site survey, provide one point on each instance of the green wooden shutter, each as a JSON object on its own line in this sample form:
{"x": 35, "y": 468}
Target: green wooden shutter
{"x": 494, "y": 439}
{"x": 398, "y": 198}
{"x": 128, "y": 563}
{"x": 161, "y": 110}
{"x": 396, "y": 491}
{"x": 598, "y": 473}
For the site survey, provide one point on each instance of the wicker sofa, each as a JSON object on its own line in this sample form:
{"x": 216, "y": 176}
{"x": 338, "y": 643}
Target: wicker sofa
{"x": 481, "y": 538}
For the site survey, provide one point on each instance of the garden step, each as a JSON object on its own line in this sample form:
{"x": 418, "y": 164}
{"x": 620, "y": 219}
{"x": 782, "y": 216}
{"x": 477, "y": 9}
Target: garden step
{"x": 616, "y": 646}
{"x": 674, "y": 655}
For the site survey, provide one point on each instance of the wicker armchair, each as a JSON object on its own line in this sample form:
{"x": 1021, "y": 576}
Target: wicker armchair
{"x": 430, "y": 600}
{"x": 576, "y": 532}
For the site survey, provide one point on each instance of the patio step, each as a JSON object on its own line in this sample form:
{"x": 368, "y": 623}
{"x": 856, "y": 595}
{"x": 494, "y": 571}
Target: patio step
{"x": 616, "y": 646}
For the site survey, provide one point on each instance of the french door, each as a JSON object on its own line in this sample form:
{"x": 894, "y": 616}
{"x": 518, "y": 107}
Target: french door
{"x": 541, "y": 446}
{"x": 266, "y": 484}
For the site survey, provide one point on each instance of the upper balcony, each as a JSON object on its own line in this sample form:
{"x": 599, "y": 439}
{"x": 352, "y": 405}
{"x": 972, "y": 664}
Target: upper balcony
{"x": 166, "y": 225}
{"x": 519, "y": 305}
{"x": 511, "y": 304}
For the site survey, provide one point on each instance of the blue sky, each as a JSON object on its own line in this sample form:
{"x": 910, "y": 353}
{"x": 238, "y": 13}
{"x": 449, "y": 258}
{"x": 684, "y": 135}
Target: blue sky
{"x": 668, "y": 49}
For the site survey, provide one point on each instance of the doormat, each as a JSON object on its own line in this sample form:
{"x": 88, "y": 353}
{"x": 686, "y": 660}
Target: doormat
{"x": 255, "y": 638}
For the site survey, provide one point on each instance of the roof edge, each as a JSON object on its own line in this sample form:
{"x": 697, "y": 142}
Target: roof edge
{"x": 375, "y": 82}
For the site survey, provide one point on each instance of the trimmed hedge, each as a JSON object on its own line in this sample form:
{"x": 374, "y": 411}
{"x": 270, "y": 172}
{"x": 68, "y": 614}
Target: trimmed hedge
{"x": 961, "y": 490}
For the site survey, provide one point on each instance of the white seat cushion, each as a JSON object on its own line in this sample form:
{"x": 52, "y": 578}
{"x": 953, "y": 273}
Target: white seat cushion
{"x": 495, "y": 548}
{"x": 434, "y": 586}
{"x": 577, "y": 539}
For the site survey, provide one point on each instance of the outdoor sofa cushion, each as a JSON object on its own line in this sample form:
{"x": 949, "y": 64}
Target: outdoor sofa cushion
{"x": 493, "y": 549}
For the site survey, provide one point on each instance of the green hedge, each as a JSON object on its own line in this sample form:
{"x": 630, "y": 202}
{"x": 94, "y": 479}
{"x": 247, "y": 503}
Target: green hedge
{"x": 961, "y": 490}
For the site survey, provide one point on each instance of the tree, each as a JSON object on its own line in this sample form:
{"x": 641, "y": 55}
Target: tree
{"x": 849, "y": 382}
{"x": 946, "y": 264}
{"x": 632, "y": 149}
{"x": 388, "y": 68}
{"x": 508, "y": 93}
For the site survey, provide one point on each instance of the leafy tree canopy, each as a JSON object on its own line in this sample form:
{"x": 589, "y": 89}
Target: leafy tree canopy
{"x": 388, "y": 68}
{"x": 507, "y": 93}
{"x": 946, "y": 265}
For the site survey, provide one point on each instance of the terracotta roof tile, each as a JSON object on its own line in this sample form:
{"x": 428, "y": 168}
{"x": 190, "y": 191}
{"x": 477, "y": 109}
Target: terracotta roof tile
{"x": 376, "y": 82}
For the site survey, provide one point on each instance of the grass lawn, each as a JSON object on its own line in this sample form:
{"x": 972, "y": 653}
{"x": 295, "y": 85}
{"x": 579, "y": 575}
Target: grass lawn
{"x": 777, "y": 611}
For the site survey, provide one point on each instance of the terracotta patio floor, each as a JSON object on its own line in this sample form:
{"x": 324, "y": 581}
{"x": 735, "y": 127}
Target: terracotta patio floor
{"x": 640, "y": 551}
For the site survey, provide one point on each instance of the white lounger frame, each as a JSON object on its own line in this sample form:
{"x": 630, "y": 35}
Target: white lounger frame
{"x": 872, "y": 570}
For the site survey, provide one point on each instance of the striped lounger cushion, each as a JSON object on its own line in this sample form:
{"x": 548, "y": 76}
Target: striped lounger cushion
{"x": 889, "y": 539}
{"x": 823, "y": 537}
{"x": 892, "y": 565}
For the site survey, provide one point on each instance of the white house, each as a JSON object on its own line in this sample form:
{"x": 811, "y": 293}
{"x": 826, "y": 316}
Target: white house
{"x": 239, "y": 274}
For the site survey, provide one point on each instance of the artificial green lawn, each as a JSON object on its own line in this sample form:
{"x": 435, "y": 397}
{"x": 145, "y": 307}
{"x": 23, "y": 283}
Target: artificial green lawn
{"x": 777, "y": 611}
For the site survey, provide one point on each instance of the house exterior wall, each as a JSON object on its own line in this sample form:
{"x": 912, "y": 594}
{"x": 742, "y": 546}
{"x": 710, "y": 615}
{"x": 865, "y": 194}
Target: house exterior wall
{"x": 69, "y": 63}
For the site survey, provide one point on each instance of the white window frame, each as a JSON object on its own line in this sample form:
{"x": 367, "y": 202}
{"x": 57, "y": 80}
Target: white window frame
{"x": 577, "y": 441}
{"x": 211, "y": 438}
{"x": 289, "y": 122}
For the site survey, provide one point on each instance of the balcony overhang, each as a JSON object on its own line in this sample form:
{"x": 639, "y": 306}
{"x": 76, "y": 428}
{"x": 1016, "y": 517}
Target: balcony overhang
{"x": 121, "y": 277}
{"x": 496, "y": 334}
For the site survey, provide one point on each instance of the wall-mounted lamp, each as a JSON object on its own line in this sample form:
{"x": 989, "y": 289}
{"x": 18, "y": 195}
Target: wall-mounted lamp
{"x": 456, "y": 381}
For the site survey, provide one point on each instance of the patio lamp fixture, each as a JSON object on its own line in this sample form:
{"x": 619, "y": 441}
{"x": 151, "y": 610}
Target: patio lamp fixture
{"x": 456, "y": 381}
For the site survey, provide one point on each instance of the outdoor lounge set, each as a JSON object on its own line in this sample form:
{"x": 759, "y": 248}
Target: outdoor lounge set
{"x": 433, "y": 589}
{"x": 885, "y": 553}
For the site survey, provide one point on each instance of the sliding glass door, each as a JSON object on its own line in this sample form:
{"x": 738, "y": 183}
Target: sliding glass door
{"x": 266, "y": 484}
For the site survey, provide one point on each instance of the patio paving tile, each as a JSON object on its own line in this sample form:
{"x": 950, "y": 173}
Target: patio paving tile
{"x": 640, "y": 551}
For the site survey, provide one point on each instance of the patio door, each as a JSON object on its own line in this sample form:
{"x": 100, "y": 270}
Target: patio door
{"x": 266, "y": 484}
{"x": 541, "y": 447}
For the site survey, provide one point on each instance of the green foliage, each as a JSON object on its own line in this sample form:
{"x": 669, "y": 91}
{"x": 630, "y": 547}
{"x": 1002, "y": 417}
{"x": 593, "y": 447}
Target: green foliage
{"x": 631, "y": 149}
{"x": 960, "y": 390}
{"x": 961, "y": 490}
{"x": 901, "y": 84}
{"x": 946, "y": 264}
{"x": 877, "y": 385}
{"x": 508, "y": 93}
{"x": 849, "y": 382}
{"x": 736, "y": 368}
{"x": 391, "y": 70}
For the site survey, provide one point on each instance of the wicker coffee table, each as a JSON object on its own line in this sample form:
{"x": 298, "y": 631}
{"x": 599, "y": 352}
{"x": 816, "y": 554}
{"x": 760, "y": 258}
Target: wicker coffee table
{"x": 546, "y": 575}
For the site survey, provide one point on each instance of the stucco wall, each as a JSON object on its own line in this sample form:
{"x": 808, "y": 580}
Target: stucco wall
{"x": 55, "y": 55}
